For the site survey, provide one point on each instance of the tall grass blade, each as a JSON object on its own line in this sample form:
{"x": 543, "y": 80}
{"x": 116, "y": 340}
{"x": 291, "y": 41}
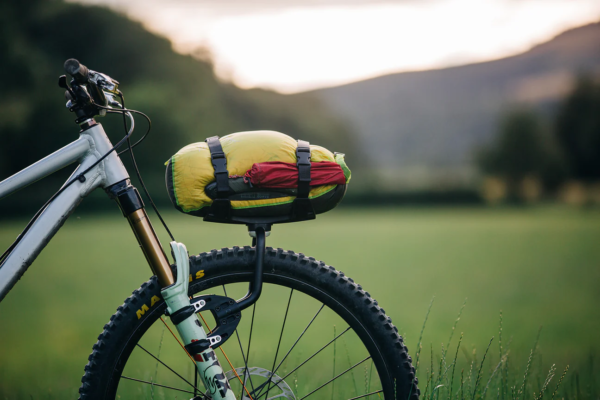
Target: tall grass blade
{"x": 454, "y": 365}
{"x": 370, "y": 376}
{"x": 470, "y": 377}
{"x": 429, "y": 376}
{"x": 350, "y": 364}
{"x": 441, "y": 373}
{"x": 419, "y": 348}
{"x": 500, "y": 337}
{"x": 503, "y": 377}
{"x": 547, "y": 381}
{"x": 522, "y": 392}
{"x": 430, "y": 373}
{"x": 367, "y": 379}
{"x": 455, "y": 324}
{"x": 522, "y": 389}
{"x": 333, "y": 375}
{"x": 162, "y": 335}
{"x": 462, "y": 382}
{"x": 506, "y": 367}
{"x": 490, "y": 380}
{"x": 481, "y": 368}
{"x": 559, "y": 382}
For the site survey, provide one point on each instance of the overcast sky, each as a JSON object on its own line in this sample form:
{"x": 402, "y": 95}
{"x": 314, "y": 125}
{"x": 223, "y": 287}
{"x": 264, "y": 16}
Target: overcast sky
{"x": 296, "y": 45}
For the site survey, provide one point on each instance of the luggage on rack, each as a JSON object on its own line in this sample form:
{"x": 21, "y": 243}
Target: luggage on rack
{"x": 256, "y": 176}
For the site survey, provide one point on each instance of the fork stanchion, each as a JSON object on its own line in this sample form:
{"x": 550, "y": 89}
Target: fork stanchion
{"x": 130, "y": 203}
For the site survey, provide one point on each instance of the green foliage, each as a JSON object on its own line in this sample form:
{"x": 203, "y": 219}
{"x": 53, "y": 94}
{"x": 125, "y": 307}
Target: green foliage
{"x": 578, "y": 130}
{"x": 181, "y": 94}
{"x": 504, "y": 381}
{"x": 568, "y": 149}
{"x": 523, "y": 148}
{"x": 517, "y": 151}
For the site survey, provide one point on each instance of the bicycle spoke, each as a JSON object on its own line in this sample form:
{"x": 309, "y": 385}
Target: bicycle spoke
{"x": 331, "y": 380}
{"x": 251, "y": 328}
{"x": 294, "y": 345}
{"x": 156, "y": 384}
{"x": 270, "y": 382}
{"x": 299, "y": 337}
{"x": 365, "y": 395}
{"x": 180, "y": 344}
{"x": 162, "y": 336}
{"x": 279, "y": 343}
{"x": 195, "y": 381}
{"x": 304, "y": 362}
{"x": 170, "y": 369}
{"x": 246, "y": 374}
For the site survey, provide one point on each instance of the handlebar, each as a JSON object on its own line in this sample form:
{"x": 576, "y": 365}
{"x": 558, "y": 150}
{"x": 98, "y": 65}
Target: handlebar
{"x": 90, "y": 93}
{"x": 78, "y": 71}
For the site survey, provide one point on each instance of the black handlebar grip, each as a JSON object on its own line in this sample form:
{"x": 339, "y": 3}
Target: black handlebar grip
{"x": 78, "y": 71}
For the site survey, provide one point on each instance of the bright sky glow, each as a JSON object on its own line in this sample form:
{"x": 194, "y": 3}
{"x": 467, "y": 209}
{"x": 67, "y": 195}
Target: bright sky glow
{"x": 303, "y": 45}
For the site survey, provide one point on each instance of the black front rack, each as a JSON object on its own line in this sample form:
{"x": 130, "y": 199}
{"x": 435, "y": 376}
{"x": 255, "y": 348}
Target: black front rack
{"x": 226, "y": 311}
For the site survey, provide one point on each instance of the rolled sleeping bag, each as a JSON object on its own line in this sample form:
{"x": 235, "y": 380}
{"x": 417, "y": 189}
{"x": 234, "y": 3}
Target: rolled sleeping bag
{"x": 262, "y": 176}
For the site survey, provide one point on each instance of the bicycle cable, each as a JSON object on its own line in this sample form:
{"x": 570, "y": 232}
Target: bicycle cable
{"x": 79, "y": 177}
{"x": 129, "y": 148}
{"x": 135, "y": 166}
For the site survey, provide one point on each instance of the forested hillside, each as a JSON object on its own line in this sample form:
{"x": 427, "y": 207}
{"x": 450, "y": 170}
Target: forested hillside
{"x": 180, "y": 93}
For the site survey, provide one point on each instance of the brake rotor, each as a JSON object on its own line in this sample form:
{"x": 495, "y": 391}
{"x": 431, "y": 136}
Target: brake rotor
{"x": 278, "y": 383}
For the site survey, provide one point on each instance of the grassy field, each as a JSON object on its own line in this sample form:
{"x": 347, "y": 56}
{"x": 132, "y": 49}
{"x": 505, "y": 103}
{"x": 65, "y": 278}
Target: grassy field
{"x": 540, "y": 266}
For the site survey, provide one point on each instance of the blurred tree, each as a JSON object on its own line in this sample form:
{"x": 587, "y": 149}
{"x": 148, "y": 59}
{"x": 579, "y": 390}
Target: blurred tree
{"x": 521, "y": 153}
{"x": 578, "y": 130}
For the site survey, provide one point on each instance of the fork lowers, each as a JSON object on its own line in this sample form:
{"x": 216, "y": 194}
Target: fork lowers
{"x": 132, "y": 206}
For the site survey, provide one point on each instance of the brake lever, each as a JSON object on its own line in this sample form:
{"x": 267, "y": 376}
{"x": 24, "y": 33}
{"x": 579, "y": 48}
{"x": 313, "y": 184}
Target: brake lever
{"x": 104, "y": 82}
{"x": 110, "y": 98}
{"x": 62, "y": 83}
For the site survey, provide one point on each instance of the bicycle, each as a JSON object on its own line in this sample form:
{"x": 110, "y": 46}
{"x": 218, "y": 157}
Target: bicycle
{"x": 366, "y": 344}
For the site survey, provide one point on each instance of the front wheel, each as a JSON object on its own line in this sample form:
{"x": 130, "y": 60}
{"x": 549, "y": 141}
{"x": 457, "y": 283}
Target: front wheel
{"x": 314, "y": 333}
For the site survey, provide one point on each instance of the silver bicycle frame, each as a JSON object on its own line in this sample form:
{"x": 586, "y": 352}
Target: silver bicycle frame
{"x": 91, "y": 146}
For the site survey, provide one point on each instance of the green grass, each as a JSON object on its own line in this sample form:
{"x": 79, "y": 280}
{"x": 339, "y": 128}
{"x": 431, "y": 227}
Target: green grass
{"x": 540, "y": 266}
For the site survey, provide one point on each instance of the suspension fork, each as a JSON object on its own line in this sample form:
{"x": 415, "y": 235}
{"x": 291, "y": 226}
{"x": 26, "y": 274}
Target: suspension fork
{"x": 175, "y": 291}
{"x": 130, "y": 203}
{"x": 226, "y": 311}
{"x": 183, "y": 315}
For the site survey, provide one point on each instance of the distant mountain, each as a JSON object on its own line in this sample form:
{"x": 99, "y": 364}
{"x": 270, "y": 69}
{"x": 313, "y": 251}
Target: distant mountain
{"x": 424, "y": 126}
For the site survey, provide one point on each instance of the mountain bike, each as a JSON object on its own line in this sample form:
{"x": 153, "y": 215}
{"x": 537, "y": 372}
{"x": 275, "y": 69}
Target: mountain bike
{"x": 315, "y": 333}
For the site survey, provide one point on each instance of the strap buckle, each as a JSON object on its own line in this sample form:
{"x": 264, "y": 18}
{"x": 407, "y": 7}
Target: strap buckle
{"x": 220, "y": 165}
{"x": 303, "y": 153}
{"x": 217, "y": 155}
{"x": 303, "y": 162}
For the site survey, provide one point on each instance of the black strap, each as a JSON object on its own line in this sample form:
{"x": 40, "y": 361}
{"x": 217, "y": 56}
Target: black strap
{"x": 219, "y": 163}
{"x": 197, "y": 347}
{"x": 182, "y": 314}
{"x": 221, "y": 206}
{"x": 303, "y": 163}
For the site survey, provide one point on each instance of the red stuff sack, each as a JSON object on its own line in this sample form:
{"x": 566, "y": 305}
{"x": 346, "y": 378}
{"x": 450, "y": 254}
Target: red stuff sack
{"x": 282, "y": 175}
